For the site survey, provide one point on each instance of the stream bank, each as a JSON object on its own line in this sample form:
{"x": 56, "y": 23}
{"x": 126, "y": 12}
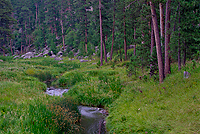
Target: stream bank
{"x": 92, "y": 118}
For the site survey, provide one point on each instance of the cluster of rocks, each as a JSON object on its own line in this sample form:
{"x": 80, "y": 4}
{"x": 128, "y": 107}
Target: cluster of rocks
{"x": 45, "y": 53}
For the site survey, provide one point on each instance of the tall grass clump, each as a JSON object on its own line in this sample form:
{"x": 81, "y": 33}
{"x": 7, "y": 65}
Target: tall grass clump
{"x": 69, "y": 79}
{"x": 99, "y": 91}
{"x": 59, "y": 116}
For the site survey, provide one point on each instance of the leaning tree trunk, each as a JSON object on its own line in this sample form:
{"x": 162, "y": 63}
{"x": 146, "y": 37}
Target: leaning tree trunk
{"x": 101, "y": 34}
{"x": 162, "y": 31}
{"x": 167, "y": 38}
{"x": 113, "y": 33}
{"x": 157, "y": 40}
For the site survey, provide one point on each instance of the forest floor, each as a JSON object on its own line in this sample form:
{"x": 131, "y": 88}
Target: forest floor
{"x": 134, "y": 105}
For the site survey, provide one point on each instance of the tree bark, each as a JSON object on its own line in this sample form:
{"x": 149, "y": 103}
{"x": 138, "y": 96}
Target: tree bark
{"x": 113, "y": 33}
{"x": 179, "y": 45}
{"x": 157, "y": 40}
{"x": 135, "y": 40}
{"x": 101, "y": 34}
{"x": 125, "y": 48}
{"x": 162, "y": 31}
{"x": 167, "y": 38}
{"x": 85, "y": 29}
{"x": 63, "y": 38}
{"x": 36, "y": 13}
{"x": 105, "y": 54}
{"x": 152, "y": 38}
{"x": 184, "y": 56}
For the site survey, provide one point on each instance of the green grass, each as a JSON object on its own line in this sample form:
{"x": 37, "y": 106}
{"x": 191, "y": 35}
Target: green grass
{"x": 25, "y": 108}
{"x": 170, "y": 107}
{"x": 135, "y": 106}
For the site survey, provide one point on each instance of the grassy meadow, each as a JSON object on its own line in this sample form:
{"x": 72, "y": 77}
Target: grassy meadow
{"x": 135, "y": 105}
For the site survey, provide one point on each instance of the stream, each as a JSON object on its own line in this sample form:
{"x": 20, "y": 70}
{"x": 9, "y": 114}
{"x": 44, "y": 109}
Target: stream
{"x": 92, "y": 118}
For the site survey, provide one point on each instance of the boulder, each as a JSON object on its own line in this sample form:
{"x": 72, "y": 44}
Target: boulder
{"x": 28, "y": 55}
{"x": 186, "y": 74}
{"x": 85, "y": 57}
{"x": 108, "y": 55}
{"x": 60, "y": 62}
{"x": 45, "y": 52}
{"x": 53, "y": 56}
{"x": 58, "y": 58}
{"x": 1, "y": 60}
{"x": 82, "y": 60}
{"x": 59, "y": 53}
{"x": 17, "y": 56}
{"x": 39, "y": 55}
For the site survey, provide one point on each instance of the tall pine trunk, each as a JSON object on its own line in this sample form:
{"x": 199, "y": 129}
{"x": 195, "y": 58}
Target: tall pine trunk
{"x": 179, "y": 44}
{"x": 104, "y": 47}
{"x": 135, "y": 40}
{"x": 85, "y": 29}
{"x": 157, "y": 40}
{"x": 113, "y": 32}
{"x": 63, "y": 37}
{"x": 162, "y": 31}
{"x": 184, "y": 55}
{"x": 125, "y": 48}
{"x": 167, "y": 38}
{"x": 101, "y": 34}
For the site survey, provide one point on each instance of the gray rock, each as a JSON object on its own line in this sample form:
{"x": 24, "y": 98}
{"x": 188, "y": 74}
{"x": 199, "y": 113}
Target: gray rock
{"x": 82, "y": 60}
{"x": 59, "y": 53}
{"x": 94, "y": 54}
{"x": 1, "y": 60}
{"x": 16, "y": 57}
{"x": 85, "y": 57}
{"x": 94, "y": 63}
{"x": 131, "y": 46}
{"x": 60, "y": 62}
{"x": 28, "y": 55}
{"x": 58, "y": 58}
{"x": 53, "y": 56}
{"x": 39, "y": 55}
{"x": 186, "y": 74}
{"x": 45, "y": 52}
{"x": 108, "y": 55}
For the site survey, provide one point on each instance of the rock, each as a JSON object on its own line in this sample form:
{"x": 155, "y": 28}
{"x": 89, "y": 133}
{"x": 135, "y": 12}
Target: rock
{"x": 108, "y": 55}
{"x": 85, "y": 57}
{"x": 45, "y": 52}
{"x": 39, "y": 55}
{"x": 94, "y": 63}
{"x": 59, "y": 53}
{"x": 53, "y": 56}
{"x": 186, "y": 74}
{"x": 1, "y": 60}
{"x": 51, "y": 88}
{"x": 28, "y": 55}
{"x": 82, "y": 60}
{"x": 60, "y": 62}
{"x": 94, "y": 54}
{"x": 58, "y": 58}
{"x": 16, "y": 57}
{"x": 52, "y": 53}
{"x": 131, "y": 46}
{"x": 76, "y": 53}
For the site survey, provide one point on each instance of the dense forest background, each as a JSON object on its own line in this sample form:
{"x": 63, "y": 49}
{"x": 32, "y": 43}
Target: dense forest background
{"x": 172, "y": 27}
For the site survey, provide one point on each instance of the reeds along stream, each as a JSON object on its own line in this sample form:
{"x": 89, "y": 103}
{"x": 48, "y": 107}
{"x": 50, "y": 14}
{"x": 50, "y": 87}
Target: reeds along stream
{"x": 92, "y": 118}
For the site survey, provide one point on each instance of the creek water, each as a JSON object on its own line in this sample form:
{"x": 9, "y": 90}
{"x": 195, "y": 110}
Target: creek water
{"x": 92, "y": 118}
